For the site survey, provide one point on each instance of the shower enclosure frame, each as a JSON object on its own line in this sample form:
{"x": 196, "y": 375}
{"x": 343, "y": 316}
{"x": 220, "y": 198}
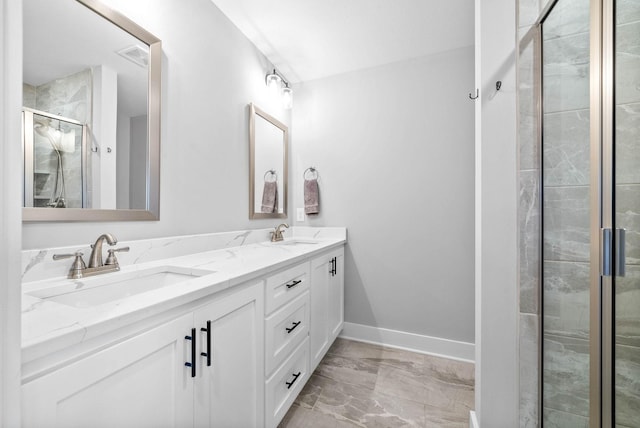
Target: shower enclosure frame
{"x": 602, "y": 194}
{"x": 27, "y": 149}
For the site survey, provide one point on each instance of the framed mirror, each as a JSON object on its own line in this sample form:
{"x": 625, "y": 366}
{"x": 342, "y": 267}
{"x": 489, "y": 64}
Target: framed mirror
{"x": 268, "y": 165}
{"x": 91, "y": 114}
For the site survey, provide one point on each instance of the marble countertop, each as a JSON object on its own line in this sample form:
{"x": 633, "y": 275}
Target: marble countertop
{"x": 48, "y": 326}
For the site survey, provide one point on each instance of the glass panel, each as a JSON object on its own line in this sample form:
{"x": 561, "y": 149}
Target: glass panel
{"x": 57, "y": 163}
{"x": 566, "y": 214}
{"x": 627, "y": 212}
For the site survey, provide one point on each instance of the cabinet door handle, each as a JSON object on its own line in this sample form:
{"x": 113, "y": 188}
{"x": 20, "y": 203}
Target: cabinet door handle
{"x": 295, "y": 378}
{"x": 335, "y": 266}
{"x": 192, "y": 364}
{"x": 290, "y": 329}
{"x": 208, "y": 353}
{"x": 294, "y": 283}
{"x": 333, "y": 269}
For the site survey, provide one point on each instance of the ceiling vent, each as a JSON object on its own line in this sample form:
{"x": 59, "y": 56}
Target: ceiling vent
{"x": 136, "y": 54}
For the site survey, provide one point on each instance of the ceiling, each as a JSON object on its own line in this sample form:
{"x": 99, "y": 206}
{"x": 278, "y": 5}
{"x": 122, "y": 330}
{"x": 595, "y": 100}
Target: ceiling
{"x": 307, "y": 40}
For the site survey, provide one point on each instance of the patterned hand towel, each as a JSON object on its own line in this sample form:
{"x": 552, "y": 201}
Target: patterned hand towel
{"x": 311, "y": 197}
{"x": 270, "y": 197}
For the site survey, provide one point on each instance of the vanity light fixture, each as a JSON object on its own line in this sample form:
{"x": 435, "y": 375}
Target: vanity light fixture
{"x": 276, "y": 83}
{"x": 287, "y": 97}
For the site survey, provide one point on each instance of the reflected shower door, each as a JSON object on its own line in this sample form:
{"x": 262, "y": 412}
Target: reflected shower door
{"x": 54, "y": 158}
{"x": 566, "y": 213}
{"x": 626, "y": 310}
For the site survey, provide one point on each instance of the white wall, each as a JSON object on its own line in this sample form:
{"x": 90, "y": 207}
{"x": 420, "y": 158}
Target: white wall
{"x": 138, "y": 155}
{"x": 210, "y": 74}
{"x": 10, "y": 215}
{"x": 496, "y": 195}
{"x": 394, "y": 149}
{"x": 122, "y": 161}
{"x": 105, "y": 124}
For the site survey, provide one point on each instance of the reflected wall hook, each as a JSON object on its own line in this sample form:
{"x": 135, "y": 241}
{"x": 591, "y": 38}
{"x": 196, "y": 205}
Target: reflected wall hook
{"x": 477, "y": 95}
{"x": 498, "y": 85}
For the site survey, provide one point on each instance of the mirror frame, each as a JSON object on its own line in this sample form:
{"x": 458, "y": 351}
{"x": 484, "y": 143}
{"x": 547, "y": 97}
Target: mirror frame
{"x": 253, "y": 111}
{"x": 152, "y": 211}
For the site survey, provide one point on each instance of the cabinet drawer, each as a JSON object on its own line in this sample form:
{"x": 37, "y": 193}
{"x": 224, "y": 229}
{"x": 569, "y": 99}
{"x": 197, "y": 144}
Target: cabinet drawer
{"x": 286, "y": 286}
{"x": 286, "y": 383}
{"x": 285, "y": 329}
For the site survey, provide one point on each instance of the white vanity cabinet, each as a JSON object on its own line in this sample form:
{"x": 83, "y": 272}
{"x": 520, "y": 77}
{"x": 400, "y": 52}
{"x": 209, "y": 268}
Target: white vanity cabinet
{"x": 229, "y": 388}
{"x": 236, "y": 358}
{"x": 287, "y": 344}
{"x": 327, "y": 303}
{"x": 139, "y": 382}
{"x": 143, "y": 381}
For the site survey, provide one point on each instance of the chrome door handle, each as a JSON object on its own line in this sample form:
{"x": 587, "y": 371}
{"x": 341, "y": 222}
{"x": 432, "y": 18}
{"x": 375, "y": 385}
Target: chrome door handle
{"x": 620, "y": 252}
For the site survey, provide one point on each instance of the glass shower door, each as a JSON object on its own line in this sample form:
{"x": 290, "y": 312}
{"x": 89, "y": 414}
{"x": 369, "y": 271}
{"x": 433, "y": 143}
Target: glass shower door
{"x": 626, "y": 309}
{"x": 566, "y": 212}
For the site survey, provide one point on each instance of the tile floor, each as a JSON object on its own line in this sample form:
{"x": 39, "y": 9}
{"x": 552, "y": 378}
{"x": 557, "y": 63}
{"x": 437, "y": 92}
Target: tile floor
{"x": 358, "y": 384}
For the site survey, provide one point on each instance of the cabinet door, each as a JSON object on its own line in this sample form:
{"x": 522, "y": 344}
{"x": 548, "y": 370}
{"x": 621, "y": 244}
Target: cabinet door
{"x": 319, "y": 298}
{"x": 336, "y": 295}
{"x": 140, "y": 382}
{"x": 230, "y": 391}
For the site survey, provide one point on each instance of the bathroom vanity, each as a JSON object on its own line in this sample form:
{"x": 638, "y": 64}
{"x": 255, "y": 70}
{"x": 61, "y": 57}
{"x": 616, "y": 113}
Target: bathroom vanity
{"x": 182, "y": 336}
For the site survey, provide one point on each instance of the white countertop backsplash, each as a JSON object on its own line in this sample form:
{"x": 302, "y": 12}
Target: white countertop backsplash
{"x": 233, "y": 258}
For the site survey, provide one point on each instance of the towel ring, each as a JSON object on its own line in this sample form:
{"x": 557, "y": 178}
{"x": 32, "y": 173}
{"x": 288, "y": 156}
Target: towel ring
{"x": 310, "y": 169}
{"x": 273, "y": 173}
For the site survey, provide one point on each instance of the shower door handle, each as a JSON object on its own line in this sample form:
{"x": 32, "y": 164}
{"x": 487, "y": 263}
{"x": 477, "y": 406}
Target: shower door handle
{"x": 620, "y": 252}
{"x": 605, "y": 252}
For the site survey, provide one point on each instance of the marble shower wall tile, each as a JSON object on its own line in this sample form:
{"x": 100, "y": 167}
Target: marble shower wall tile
{"x": 555, "y": 419}
{"x": 627, "y": 315}
{"x": 28, "y": 95}
{"x": 566, "y": 155}
{"x": 529, "y": 237}
{"x": 566, "y": 224}
{"x": 628, "y": 217}
{"x": 566, "y": 299}
{"x": 568, "y": 17}
{"x": 628, "y": 63}
{"x": 528, "y": 371}
{"x": 528, "y": 11}
{"x": 627, "y": 380}
{"x": 566, "y": 73}
{"x": 69, "y": 96}
{"x": 628, "y": 143}
{"x": 527, "y": 102}
{"x": 566, "y": 375}
{"x": 627, "y": 11}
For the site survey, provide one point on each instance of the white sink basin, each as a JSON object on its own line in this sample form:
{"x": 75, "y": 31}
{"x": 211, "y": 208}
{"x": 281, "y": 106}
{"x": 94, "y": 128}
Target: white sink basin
{"x": 295, "y": 241}
{"x": 95, "y": 291}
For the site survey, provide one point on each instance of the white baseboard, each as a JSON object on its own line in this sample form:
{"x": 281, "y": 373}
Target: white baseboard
{"x": 473, "y": 420}
{"x": 463, "y": 351}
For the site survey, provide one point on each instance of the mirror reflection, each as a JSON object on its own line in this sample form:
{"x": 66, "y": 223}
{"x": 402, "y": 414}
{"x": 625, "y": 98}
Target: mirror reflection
{"x": 268, "y": 174}
{"x": 86, "y": 108}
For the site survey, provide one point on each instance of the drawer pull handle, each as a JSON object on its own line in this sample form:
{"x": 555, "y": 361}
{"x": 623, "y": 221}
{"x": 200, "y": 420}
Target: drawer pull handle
{"x": 295, "y": 378}
{"x": 192, "y": 364}
{"x": 294, "y": 283}
{"x": 208, "y": 353}
{"x": 290, "y": 329}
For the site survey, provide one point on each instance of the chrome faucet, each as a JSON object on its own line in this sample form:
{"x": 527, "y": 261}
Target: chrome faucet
{"x": 96, "y": 266}
{"x": 277, "y": 234}
{"x": 95, "y": 260}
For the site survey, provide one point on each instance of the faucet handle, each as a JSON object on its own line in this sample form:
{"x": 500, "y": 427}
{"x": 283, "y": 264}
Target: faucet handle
{"x": 111, "y": 256}
{"x": 78, "y": 265}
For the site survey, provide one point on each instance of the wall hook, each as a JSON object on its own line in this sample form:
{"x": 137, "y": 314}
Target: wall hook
{"x": 498, "y": 85}
{"x": 477, "y": 95}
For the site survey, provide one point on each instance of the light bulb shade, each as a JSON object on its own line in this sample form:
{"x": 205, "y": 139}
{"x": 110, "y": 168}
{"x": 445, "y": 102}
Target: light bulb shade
{"x": 287, "y": 97}
{"x": 273, "y": 81}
